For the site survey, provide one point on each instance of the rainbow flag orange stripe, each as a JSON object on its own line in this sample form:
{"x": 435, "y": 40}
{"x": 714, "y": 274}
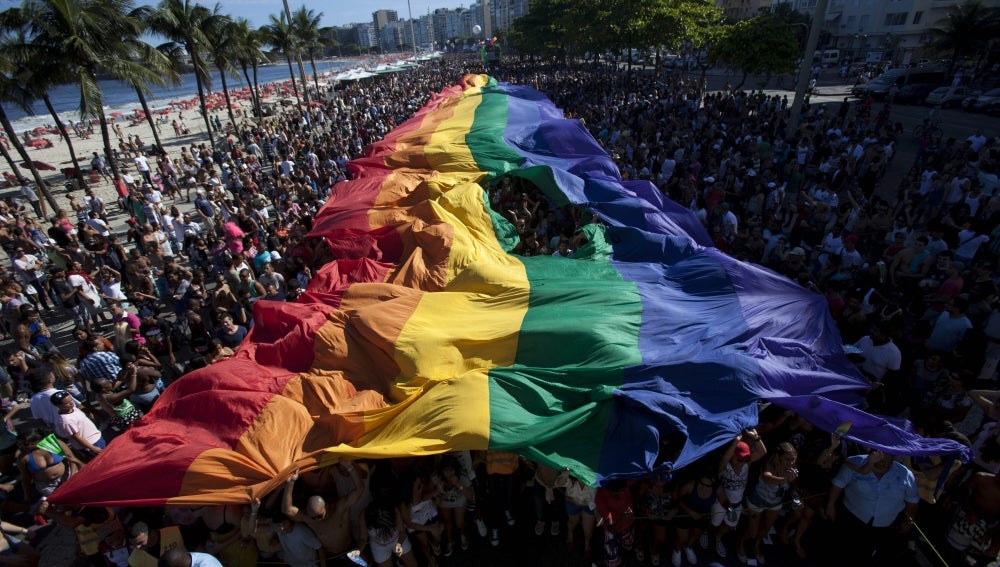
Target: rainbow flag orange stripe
{"x": 643, "y": 351}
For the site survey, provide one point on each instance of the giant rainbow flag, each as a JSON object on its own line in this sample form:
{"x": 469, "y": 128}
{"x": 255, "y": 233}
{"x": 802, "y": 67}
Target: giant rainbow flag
{"x": 644, "y": 351}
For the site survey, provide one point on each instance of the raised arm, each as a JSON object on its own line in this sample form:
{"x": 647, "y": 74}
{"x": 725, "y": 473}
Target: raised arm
{"x": 287, "y": 508}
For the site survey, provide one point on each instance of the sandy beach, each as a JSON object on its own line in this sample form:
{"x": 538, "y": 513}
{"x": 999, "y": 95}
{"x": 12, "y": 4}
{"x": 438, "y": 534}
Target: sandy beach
{"x": 184, "y": 110}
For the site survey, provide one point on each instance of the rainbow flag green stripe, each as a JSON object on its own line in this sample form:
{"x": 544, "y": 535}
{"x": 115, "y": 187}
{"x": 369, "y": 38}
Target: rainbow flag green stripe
{"x": 643, "y": 351}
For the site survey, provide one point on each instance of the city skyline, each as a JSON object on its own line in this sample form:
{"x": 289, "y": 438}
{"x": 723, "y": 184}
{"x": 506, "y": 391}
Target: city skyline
{"x": 336, "y": 13}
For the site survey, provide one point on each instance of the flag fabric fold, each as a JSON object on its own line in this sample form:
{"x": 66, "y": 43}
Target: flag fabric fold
{"x": 643, "y": 351}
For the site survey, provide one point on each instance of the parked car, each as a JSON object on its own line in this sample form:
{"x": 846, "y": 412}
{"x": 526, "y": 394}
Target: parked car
{"x": 914, "y": 93}
{"x": 989, "y": 101}
{"x": 947, "y": 97}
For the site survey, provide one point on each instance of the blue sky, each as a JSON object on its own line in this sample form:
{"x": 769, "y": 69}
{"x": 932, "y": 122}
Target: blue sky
{"x": 335, "y": 12}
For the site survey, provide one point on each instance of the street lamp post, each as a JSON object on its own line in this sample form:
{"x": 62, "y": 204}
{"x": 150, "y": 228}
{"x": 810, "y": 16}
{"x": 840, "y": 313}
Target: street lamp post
{"x": 413, "y": 37}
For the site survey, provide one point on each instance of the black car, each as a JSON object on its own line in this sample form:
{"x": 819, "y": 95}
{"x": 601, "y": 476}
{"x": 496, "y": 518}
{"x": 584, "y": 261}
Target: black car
{"x": 914, "y": 93}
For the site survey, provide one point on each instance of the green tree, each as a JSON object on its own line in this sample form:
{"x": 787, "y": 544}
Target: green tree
{"x": 280, "y": 35}
{"x": 13, "y": 91}
{"x": 223, "y": 51}
{"x": 88, "y": 36}
{"x": 248, "y": 55}
{"x": 967, "y": 30}
{"x": 699, "y": 24}
{"x": 188, "y": 25}
{"x": 166, "y": 64}
{"x": 310, "y": 38}
{"x": 763, "y": 45}
{"x": 32, "y": 70}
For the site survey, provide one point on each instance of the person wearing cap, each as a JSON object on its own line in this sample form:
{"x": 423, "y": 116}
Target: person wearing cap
{"x": 75, "y": 427}
{"x": 734, "y": 471}
{"x": 795, "y": 263}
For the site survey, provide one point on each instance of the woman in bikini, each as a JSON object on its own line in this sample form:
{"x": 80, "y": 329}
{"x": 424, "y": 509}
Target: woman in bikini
{"x": 42, "y": 469}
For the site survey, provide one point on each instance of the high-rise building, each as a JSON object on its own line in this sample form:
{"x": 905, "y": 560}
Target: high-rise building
{"x": 382, "y": 18}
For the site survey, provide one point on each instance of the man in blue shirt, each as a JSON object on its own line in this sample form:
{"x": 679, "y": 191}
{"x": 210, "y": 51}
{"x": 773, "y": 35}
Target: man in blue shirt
{"x": 876, "y": 490}
{"x": 97, "y": 363}
{"x": 205, "y": 209}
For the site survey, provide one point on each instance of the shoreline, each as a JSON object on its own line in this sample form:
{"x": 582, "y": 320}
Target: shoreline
{"x": 352, "y": 63}
{"x": 57, "y": 155}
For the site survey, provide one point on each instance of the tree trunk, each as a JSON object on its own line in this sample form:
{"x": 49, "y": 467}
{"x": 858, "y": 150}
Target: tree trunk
{"x": 254, "y": 102}
{"x": 295, "y": 89}
{"x": 312, "y": 61}
{"x": 203, "y": 105}
{"x": 10, "y": 161}
{"x": 65, "y": 134}
{"x": 256, "y": 89}
{"x": 108, "y": 152}
{"x": 302, "y": 73}
{"x": 225, "y": 93}
{"x": 43, "y": 189}
{"x": 149, "y": 117}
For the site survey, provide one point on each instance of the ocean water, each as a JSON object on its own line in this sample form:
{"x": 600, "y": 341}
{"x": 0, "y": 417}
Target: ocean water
{"x": 119, "y": 97}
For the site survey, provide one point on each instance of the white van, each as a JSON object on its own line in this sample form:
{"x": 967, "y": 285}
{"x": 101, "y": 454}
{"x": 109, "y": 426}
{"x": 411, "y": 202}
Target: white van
{"x": 827, "y": 57}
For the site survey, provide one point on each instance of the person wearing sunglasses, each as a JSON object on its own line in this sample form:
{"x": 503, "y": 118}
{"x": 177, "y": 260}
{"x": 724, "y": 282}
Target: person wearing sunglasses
{"x": 73, "y": 425}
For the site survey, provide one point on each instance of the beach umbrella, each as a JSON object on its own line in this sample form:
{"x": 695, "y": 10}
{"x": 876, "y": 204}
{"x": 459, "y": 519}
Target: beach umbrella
{"x": 115, "y": 115}
{"x": 38, "y": 143}
{"x": 40, "y": 130}
{"x": 163, "y": 111}
{"x": 39, "y": 165}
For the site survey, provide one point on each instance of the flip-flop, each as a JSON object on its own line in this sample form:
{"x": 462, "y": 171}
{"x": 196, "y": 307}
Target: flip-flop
{"x": 354, "y": 556}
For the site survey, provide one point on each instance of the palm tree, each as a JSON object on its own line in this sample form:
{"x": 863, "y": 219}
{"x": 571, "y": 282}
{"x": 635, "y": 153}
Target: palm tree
{"x": 12, "y": 91}
{"x": 967, "y": 30}
{"x": 306, "y": 25}
{"x": 279, "y": 34}
{"x": 223, "y": 51}
{"x": 87, "y": 36}
{"x": 33, "y": 70}
{"x": 248, "y": 54}
{"x": 185, "y": 24}
{"x": 168, "y": 70}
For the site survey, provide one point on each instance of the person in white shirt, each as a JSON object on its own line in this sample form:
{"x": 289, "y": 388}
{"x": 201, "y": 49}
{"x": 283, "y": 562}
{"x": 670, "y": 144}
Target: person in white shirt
{"x": 968, "y": 245}
{"x": 41, "y": 408}
{"x": 28, "y": 192}
{"x": 32, "y": 272}
{"x": 882, "y": 356}
{"x": 179, "y": 558}
{"x": 142, "y": 164}
{"x": 730, "y": 224}
{"x": 95, "y": 222}
{"x": 977, "y": 141}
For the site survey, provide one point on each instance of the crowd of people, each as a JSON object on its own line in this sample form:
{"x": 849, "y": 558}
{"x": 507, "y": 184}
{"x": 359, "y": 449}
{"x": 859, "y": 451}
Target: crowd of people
{"x": 909, "y": 274}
